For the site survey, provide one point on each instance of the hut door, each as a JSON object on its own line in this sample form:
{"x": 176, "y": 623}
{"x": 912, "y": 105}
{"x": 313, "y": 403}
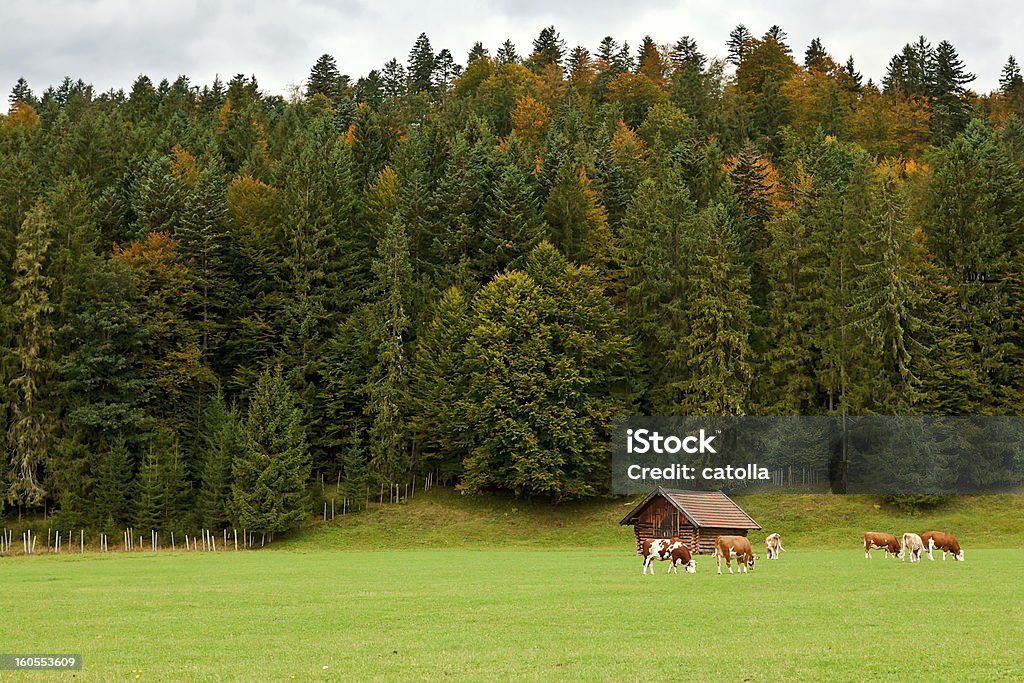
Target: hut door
{"x": 667, "y": 525}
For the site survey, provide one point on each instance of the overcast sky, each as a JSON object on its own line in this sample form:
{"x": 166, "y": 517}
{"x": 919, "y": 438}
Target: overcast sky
{"x": 110, "y": 42}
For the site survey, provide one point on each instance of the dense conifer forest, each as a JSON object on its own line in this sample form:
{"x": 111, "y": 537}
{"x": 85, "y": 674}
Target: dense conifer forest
{"x": 213, "y": 297}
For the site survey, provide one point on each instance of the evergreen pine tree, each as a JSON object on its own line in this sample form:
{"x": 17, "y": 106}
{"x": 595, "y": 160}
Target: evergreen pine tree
{"x": 420, "y": 73}
{"x": 386, "y": 404}
{"x": 271, "y": 468}
{"x": 220, "y": 444}
{"x": 22, "y": 93}
{"x": 149, "y": 494}
{"x": 579, "y": 224}
{"x": 326, "y": 79}
{"x": 113, "y": 491}
{"x": 31, "y": 427}
{"x": 815, "y": 54}
{"x": 477, "y": 52}
{"x": 507, "y": 53}
{"x": 718, "y": 320}
{"x": 355, "y": 469}
{"x": 513, "y": 225}
{"x": 738, "y": 44}
{"x": 1010, "y": 78}
{"x": 438, "y": 385}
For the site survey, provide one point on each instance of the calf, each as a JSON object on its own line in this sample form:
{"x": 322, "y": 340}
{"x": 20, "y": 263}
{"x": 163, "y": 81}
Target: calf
{"x": 947, "y": 543}
{"x": 772, "y": 546}
{"x": 652, "y": 549}
{"x": 887, "y": 542}
{"x": 913, "y": 546}
{"x": 682, "y": 556}
{"x": 734, "y": 546}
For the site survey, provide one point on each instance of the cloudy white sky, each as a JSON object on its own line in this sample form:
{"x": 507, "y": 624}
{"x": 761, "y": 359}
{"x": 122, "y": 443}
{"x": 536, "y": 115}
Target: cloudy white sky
{"x": 110, "y": 42}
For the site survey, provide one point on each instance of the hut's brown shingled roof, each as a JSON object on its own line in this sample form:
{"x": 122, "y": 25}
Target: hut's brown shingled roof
{"x": 702, "y": 508}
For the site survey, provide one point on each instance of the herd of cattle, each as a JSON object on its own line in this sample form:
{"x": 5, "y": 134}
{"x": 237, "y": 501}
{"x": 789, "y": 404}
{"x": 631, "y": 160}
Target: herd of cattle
{"x": 738, "y": 548}
{"x": 913, "y": 545}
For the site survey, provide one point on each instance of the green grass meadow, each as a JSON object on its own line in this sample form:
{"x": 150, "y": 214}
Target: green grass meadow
{"x": 515, "y": 614}
{"x": 490, "y": 588}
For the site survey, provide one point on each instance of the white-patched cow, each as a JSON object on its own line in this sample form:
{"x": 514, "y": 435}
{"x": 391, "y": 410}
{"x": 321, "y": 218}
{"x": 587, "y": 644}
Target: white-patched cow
{"x": 912, "y": 546}
{"x": 887, "y": 542}
{"x": 734, "y": 546}
{"x": 772, "y": 546}
{"x": 681, "y": 557}
{"x": 947, "y": 543}
{"x": 652, "y": 549}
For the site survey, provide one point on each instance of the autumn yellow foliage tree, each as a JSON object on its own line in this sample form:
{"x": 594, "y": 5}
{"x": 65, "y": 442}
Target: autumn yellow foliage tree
{"x": 530, "y": 120}
{"x": 636, "y": 94}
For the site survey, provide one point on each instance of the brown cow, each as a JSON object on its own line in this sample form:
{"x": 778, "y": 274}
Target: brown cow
{"x": 912, "y": 546}
{"x": 887, "y": 542}
{"x": 652, "y": 549}
{"x": 947, "y": 543}
{"x": 734, "y": 546}
{"x": 682, "y": 556}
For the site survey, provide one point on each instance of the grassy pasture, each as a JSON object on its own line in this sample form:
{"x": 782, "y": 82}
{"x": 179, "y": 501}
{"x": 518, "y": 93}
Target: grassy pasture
{"x": 568, "y": 614}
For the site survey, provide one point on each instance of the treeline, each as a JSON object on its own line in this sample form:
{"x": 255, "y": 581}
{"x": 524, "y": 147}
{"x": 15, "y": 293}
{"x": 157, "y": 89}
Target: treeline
{"x": 213, "y": 296}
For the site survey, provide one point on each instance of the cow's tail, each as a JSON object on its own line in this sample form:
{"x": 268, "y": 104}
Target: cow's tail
{"x": 639, "y": 547}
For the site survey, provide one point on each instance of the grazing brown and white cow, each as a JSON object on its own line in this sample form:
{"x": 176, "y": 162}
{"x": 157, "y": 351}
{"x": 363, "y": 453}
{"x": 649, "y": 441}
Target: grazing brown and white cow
{"x": 912, "y": 546}
{"x": 772, "y": 546}
{"x": 681, "y": 557}
{"x": 734, "y": 546}
{"x": 947, "y": 543}
{"x": 652, "y": 549}
{"x": 887, "y": 542}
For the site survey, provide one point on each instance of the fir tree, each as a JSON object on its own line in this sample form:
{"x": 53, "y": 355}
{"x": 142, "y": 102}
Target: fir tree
{"x": 438, "y": 385}
{"x": 386, "y": 403}
{"x": 272, "y": 466}
{"x": 548, "y": 48}
{"x": 113, "y": 490}
{"x": 718, "y": 320}
{"x": 22, "y": 93}
{"x": 738, "y": 44}
{"x": 355, "y": 471}
{"x": 815, "y": 55}
{"x": 31, "y": 427}
{"x": 514, "y": 225}
{"x": 579, "y": 224}
{"x": 507, "y": 53}
{"x": 477, "y": 52}
{"x": 326, "y": 79}
{"x": 393, "y": 78}
{"x": 420, "y": 72}
{"x": 150, "y": 492}
{"x": 219, "y": 444}
{"x": 1010, "y": 78}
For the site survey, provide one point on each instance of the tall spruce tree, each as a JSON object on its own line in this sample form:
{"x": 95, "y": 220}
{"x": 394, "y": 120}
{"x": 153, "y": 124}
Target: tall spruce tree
{"x": 420, "y": 72}
{"x": 387, "y": 401}
{"x": 271, "y": 469}
{"x": 718, "y": 321}
{"x": 220, "y": 444}
{"x": 32, "y": 424}
{"x": 438, "y": 385}
{"x": 326, "y": 79}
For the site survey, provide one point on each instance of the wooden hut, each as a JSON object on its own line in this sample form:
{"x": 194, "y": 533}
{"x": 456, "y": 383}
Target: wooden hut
{"x": 695, "y": 516}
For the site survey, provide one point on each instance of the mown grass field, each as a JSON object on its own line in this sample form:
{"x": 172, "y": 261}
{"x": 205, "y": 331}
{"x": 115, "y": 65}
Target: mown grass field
{"x": 449, "y": 586}
{"x": 515, "y": 614}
